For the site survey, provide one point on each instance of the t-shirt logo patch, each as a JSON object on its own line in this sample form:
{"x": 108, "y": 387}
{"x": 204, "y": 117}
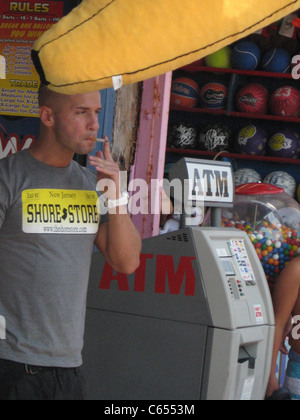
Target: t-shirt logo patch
{"x": 53, "y": 211}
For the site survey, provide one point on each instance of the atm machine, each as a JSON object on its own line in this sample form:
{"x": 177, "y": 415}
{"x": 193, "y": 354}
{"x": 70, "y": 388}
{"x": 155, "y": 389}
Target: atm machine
{"x": 195, "y": 322}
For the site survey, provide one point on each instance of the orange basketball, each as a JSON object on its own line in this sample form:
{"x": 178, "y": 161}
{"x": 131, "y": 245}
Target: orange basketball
{"x": 184, "y": 92}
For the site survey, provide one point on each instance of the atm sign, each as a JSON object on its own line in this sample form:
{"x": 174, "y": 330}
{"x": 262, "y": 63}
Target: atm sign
{"x": 210, "y": 184}
{"x": 168, "y": 279}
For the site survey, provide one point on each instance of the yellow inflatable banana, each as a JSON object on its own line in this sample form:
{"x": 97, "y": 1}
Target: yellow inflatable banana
{"x": 139, "y": 39}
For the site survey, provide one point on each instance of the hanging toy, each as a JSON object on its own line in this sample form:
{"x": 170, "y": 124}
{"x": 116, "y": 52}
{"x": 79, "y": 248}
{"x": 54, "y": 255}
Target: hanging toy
{"x": 105, "y": 43}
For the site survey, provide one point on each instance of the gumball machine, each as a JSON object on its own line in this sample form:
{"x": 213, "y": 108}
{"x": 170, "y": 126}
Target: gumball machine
{"x": 271, "y": 219}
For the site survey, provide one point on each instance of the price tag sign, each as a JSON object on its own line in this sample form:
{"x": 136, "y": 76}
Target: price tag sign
{"x": 21, "y": 24}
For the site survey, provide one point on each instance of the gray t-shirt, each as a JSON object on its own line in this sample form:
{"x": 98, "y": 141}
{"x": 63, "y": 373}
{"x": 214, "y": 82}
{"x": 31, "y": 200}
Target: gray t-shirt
{"x": 48, "y": 224}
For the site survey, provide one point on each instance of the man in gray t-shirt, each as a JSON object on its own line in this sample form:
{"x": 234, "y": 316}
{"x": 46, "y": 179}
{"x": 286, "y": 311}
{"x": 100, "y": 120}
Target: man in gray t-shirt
{"x": 49, "y": 223}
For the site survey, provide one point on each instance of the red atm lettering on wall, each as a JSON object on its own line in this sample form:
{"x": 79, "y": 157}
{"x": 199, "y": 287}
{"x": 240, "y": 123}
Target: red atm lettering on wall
{"x": 165, "y": 274}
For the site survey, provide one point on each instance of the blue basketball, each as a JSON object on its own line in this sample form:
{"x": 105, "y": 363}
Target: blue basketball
{"x": 245, "y": 56}
{"x": 276, "y": 60}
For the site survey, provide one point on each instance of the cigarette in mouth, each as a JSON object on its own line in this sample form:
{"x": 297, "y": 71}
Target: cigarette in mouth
{"x": 101, "y": 140}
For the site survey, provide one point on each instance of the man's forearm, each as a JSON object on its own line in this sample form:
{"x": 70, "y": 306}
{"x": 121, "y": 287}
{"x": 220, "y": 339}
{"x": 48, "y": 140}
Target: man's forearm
{"x": 123, "y": 242}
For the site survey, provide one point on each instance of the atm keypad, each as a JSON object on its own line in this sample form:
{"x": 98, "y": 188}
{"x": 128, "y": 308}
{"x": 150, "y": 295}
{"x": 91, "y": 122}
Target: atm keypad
{"x": 236, "y": 288}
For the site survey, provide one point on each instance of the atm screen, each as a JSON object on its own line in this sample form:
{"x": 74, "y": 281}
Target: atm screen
{"x": 228, "y": 267}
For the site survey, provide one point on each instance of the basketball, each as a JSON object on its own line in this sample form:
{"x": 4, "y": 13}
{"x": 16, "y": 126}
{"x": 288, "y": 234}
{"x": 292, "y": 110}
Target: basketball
{"x": 285, "y": 101}
{"x": 182, "y": 136}
{"x": 246, "y": 176}
{"x": 284, "y": 144}
{"x": 277, "y": 60}
{"x": 213, "y": 96}
{"x": 184, "y": 92}
{"x": 214, "y": 138}
{"x": 282, "y": 180}
{"x": 252, "y": 98}
{"x": 245, "y": 56}
{"x": 252, "y": 140}
{"x": 220, "y": 59}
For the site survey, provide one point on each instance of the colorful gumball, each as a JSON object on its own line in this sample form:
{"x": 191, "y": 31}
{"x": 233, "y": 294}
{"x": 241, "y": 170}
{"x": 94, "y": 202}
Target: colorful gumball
{"x": 285, "y": 101}
{"x": 271, "y": 219}
{"x": 184, "y": 92}
{"x": 273, "y": 254}
{"x": 252, "y": 98}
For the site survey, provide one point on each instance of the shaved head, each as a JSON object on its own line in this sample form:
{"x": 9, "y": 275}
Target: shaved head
{"x": 49, "y": 98}
{"x": 70, "y": 121}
